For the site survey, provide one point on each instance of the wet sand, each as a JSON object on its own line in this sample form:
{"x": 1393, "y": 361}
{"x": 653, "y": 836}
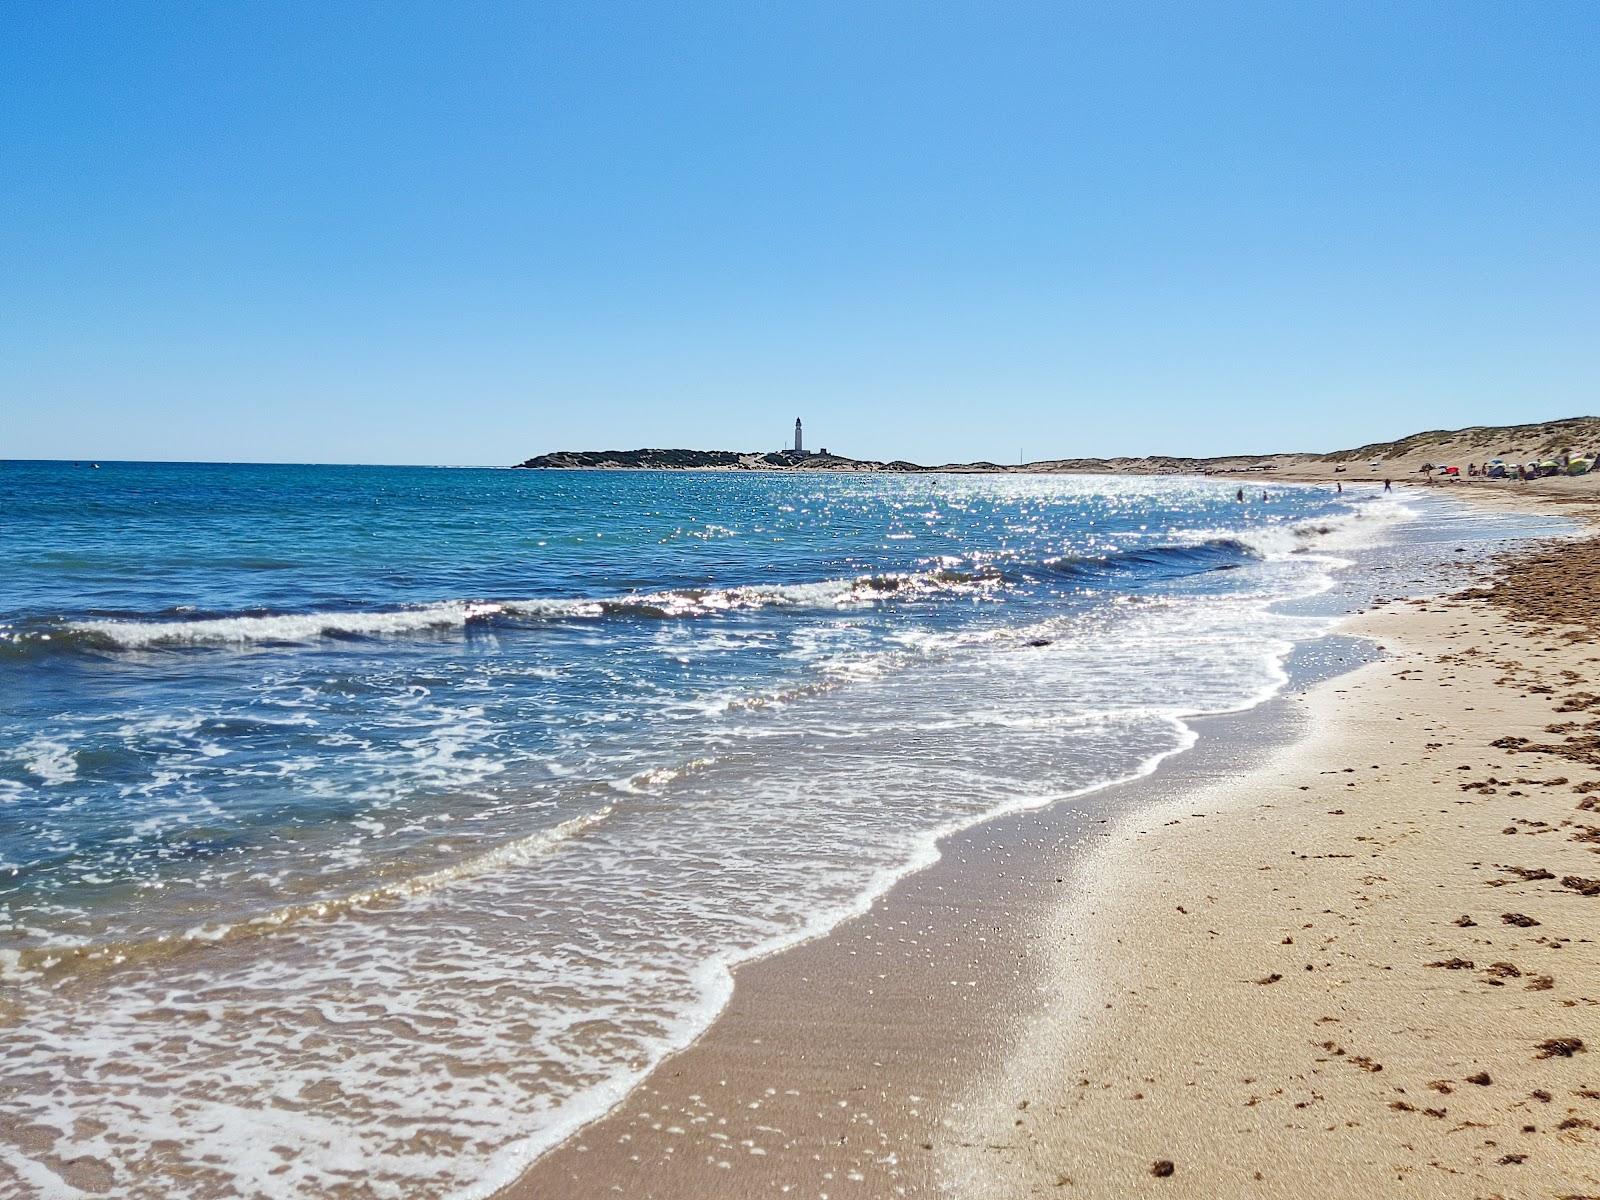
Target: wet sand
{"x": 834, "y": 1067}
{"x": 1215, "y": 981}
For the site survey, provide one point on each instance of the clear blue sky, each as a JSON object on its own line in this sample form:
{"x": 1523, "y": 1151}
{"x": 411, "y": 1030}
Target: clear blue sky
{"x": 467, "y": 233}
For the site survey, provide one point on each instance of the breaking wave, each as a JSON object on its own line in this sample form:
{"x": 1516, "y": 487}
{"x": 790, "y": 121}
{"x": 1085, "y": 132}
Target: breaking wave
{"x": 269, "y": 628}
{"x": 1198, "y": 550}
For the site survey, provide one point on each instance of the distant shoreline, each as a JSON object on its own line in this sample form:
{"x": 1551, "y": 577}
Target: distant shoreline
{"x": 792, "y": 461}
{"x": 1408, "y": 456}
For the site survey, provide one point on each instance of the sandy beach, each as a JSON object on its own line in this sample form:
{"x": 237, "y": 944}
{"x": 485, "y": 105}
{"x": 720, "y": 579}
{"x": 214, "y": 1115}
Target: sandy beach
{"x": 1372, "y": 972}
{"x": 1344, "y": 945}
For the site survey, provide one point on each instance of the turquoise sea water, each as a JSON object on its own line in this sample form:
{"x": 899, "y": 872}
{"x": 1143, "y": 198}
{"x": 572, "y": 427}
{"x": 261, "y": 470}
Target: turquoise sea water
{"x": 396, "y": 820}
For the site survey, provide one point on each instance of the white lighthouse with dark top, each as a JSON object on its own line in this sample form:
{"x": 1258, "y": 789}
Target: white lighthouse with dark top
{"x": 799, "y": 447}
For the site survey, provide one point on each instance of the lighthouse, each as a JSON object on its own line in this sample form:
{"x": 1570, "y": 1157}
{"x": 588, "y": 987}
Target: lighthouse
{"x": 799, "y": 448}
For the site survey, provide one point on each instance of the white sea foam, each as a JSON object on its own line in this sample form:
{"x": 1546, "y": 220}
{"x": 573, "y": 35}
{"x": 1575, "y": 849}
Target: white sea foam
{"x": 50, "y": 760}
{"x": 457, "y": 1003}
{"x": 286, "y": 627}
{"x": 1362, "y": 525}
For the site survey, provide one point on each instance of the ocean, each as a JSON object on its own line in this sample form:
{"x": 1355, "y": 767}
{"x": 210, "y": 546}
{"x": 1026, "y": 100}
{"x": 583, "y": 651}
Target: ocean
{"x": 366, "y": 830}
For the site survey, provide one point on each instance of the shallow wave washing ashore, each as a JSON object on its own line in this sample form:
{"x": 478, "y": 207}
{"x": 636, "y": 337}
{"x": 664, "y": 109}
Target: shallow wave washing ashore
{"x": 414, "y": 888}
{"x": 37, "y": 963}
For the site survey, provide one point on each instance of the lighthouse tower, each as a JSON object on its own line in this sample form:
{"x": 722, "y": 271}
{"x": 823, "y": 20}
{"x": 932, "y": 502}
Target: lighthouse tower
{"x": 799, "y": 448}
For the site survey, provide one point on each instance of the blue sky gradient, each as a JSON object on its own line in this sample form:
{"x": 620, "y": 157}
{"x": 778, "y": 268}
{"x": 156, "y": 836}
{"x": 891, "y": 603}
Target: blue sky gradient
{"x": 467, "y": 233}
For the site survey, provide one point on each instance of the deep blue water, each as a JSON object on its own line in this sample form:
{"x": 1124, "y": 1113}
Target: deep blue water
{"x": 200, "y": 662}
{"x": 466, "y": 786}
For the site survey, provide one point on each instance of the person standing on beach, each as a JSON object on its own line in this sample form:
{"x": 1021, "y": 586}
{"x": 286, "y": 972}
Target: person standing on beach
{"x": 1387, "y": 486}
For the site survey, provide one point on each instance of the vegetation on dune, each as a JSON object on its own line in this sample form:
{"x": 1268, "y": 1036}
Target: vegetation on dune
{"x": 1537, "y": 440}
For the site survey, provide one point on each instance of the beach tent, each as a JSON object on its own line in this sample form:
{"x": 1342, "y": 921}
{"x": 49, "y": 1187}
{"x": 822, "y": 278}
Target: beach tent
{"x": 1496, "y": 469}
{"x": 1452, "y": 470}
{"x": 1579, "y": 466}
{"x": 1549, "y": 467}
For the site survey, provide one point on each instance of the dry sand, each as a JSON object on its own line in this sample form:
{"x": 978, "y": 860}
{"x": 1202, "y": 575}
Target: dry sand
{"x": 1372, "y": 968}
